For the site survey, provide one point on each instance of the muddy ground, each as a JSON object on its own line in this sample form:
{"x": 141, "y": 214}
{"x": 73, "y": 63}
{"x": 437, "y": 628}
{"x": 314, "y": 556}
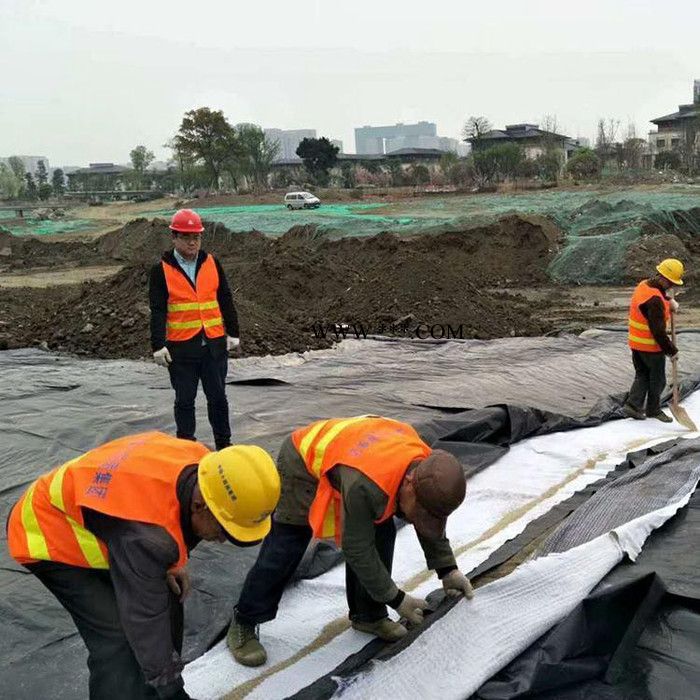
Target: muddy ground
{"x": 481, "y": 282}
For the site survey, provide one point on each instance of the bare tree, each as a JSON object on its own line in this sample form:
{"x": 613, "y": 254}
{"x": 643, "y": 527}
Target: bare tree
{"x": 476, "y": 127}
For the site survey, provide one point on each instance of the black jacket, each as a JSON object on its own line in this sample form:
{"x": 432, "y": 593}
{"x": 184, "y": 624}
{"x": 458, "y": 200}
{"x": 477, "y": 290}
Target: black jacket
{"x": 653, "y": 311}
{"x": 158, "y": 300}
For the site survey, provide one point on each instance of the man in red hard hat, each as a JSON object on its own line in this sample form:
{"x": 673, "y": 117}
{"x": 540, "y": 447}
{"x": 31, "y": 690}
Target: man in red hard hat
{"x": 194, "y": 325}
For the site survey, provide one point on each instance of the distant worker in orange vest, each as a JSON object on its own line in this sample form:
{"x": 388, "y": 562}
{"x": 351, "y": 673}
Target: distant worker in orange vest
{"x": 347, "y": 478}
{"x": 109, "y": 534}
{"x": 194, "y": 326}
{"x": 650, "y": 310}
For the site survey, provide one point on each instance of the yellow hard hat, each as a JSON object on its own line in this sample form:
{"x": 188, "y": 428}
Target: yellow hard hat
{"x": 241, "y": 486}
{"x": 672, "y": 270}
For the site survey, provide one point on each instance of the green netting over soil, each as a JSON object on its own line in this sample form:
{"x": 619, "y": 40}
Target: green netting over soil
{"x": 38, "y": 227}
{"x": 334, "y": 220}
{"x": 611, "y": 238}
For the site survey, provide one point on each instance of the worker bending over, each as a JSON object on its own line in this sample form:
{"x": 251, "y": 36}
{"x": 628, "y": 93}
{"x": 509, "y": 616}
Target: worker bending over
{"x": 650, "y": 311}
{"x": 109, "y": 533}
{"x": 346, "y": 478}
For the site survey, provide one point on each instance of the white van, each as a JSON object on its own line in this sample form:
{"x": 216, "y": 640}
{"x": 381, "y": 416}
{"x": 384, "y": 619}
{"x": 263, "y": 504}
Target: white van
{"x": 301, "y": 200}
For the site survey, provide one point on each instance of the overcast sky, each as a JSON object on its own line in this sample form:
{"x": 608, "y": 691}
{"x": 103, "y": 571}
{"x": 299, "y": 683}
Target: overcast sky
{"x": 86, "y": 81}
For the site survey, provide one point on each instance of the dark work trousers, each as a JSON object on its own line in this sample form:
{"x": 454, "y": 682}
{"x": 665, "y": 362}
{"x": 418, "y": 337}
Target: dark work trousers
{"x": 185, "y": 375}
{"x": 649, "y": 381}
{"x": 88, "y": 595}
{"x": 279, "y": 556}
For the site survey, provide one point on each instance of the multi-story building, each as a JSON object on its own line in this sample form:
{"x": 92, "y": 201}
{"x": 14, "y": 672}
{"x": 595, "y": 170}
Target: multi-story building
{"x": 679, "y": 130}
{"x": 288, "y": 140}
{"x": 375, "y": 139}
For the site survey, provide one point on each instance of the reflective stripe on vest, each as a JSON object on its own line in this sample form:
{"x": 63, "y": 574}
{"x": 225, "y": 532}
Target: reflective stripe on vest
{"x": 133, "y": 478}
{"x": 640, "y": 336}
{"x": 191, "y": 309}
{"x": 313, "y": 452}
{"x": 380, "y": 448}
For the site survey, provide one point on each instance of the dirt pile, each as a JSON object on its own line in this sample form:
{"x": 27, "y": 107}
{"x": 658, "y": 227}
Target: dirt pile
{"x": 285, "y": 287}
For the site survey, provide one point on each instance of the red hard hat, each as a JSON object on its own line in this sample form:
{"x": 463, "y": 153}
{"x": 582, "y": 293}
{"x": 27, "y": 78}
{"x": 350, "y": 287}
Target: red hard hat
{"x": 186, "y": 221}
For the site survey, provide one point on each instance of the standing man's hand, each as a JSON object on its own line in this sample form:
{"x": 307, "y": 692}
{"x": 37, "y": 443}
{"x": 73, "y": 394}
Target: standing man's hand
{"x": 162, "y": 357}
{"x": 674, "y": 306}
{"x": 232, "y": 343}
{"x": 179, "y": 582}
{"x": 456, "y": 583}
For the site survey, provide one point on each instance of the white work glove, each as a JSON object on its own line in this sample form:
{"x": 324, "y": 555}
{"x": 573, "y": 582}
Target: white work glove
{"x": 456, "y": 583}
{"x": 162, "y": 357}
{"x": 232, "y": 343}
{"x": 412, "y": 609}
{"x": 674, "y": 306}
{"x": 179, "y": 582}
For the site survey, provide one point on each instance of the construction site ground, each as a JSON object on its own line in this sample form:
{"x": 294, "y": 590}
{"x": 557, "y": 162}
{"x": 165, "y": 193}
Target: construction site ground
{"x": 394, "y": 263}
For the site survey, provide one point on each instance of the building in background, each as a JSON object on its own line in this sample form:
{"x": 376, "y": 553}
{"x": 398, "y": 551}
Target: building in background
{"x": 534, "y": 141}
{"x": 679, "y": 131}
{"x": 288, "y": 140}
{"x": 377, "y": 140}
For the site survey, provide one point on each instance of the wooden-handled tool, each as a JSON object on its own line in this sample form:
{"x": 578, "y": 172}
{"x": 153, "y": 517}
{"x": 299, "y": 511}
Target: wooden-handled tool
{"x": 678, "y": 412}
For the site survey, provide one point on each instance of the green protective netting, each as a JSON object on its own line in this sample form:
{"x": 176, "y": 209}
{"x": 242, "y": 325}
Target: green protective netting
{"x": 600, "y": 232}
{"x": 331, "y": 219}
{"x": 37, "y": 227}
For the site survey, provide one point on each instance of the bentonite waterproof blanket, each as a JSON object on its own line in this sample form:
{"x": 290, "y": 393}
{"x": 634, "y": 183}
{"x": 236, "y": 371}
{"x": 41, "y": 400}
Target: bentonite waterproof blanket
{"x": 56, "y": 407}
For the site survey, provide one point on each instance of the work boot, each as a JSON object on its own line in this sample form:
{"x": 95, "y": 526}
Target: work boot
{"x": 662, "y": 417}
{"x": 385, "y": 629}
{"x": 632, "y": 412}
{"x": 245, "y": 645}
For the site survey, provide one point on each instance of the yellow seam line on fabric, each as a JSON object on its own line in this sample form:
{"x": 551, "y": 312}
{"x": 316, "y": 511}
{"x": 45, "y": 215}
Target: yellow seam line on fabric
{"x": 36, "y": 542}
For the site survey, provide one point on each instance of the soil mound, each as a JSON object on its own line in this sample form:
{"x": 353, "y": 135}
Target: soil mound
{"x": 284, "y": 288}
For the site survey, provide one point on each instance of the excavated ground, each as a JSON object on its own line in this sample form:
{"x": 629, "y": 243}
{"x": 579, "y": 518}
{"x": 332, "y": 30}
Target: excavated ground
{"x": 285, "y": 287}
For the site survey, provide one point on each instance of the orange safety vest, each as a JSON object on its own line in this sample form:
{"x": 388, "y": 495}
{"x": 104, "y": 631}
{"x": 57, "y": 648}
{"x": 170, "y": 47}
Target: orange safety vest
{"x": 381, "y": 448}
{"x": 640, "y": 336}
{"x": 192, "y": 308}
{"x": 133, "y": 478}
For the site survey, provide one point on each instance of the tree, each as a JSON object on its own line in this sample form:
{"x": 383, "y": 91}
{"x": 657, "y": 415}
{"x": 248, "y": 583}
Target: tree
{"x": 10, "y": 185}
{"x": 319, "y": 156}
{"x": 42, "y": 176}
{"x": 476, "y": 127}
{"x": 45, "y": 191}
{"x": 667, "y": 160}
{"x": 548, "y": 164}
{"x": 141, "y": 159}
{"x": 32, "y": 191}
{"x": 607, "y": 135}
{"x": 585, "y": 163}
{"x": 17, "y": 166}
{"x": 498, "y": 162}
{"x": 206, "y": 136}
{"x": 347, "y": 172}
{"x": 419, "y": 174}
{"x": 58, "y": 182}
{"x": 256, "y": 154}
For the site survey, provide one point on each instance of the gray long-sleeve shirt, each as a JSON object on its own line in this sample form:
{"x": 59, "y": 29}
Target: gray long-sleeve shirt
{"x": 364, "y": 503}
{"x": 140, "y": 556}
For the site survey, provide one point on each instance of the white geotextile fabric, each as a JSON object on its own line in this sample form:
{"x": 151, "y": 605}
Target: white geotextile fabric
{"x": 518, "y": 480}
{"x": 477, "y": 638}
